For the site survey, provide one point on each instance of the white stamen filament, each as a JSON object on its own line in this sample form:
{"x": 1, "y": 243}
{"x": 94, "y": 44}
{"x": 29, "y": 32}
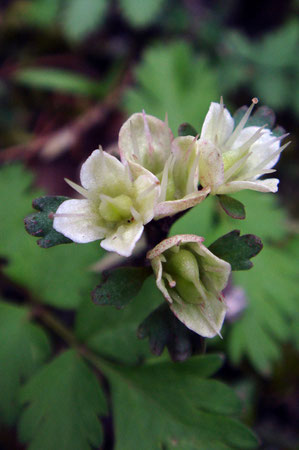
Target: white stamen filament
{"x": 169, "y": 279}
{"x": 253, "y": 139}
{"x": 77, "y": 188}
{"x": 135, "y": 214}
{"x": 235, "y": 167}
{"x": 271, "y": 157}
{"x": 241, "y": 124}
{"x": 134, "y": 142}
{"x": 164, "y": 182}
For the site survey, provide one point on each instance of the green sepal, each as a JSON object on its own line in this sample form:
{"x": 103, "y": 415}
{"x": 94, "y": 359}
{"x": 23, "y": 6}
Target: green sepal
{"x": 185, "y": 129}
{"x": 233, "y": 208}
{"x": 262, "y": 116}
{"x": 40, "y": 224}
{"x": 164, "y": 330}
{"x": 236, "y": 249}
{"x": 120, "y": 286}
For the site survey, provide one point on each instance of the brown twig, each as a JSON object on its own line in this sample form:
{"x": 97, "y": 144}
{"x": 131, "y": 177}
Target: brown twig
{"x": 54, "y": 143}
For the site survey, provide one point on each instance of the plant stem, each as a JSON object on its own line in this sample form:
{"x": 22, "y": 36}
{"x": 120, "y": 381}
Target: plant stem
{"x": 61, "y": 330}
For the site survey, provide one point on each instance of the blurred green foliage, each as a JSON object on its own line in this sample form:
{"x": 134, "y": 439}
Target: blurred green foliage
{"x": 173, "y": 79}
{"x": 268, "y": 66}
{"x": 58, "y": 59}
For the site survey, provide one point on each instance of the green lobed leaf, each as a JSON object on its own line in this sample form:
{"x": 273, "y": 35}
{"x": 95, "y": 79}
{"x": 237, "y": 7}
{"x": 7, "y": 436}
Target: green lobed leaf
{"x": 120, "y": 286}
{"x": 173, "y": 79}
{"x": 23, "y": 349}
{"x": 63, "y": 404}
{"x": 271, "y": 289}
{"x": 41, "y": 223}
{"x": 58, "y": 80}
{"x": 79, "y": 18}
{"x": 179, "y": 407}
{"x": 185, "y": 129}
{"x": 113, "y": 334}
{"x": 232, "y": 207}
{"x": 256, "y": 66}
{"x": 60, "y": 277}
{"x": 141, "y": 12}
{"x": 164, "y": 330}
{"x": 236, "y": 249}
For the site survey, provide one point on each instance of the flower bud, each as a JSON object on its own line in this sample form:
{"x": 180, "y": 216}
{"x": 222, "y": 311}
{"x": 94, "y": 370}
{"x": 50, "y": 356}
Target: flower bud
{"x": 191, "y": 279}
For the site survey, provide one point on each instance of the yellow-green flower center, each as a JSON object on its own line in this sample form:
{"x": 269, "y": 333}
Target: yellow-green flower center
{"x": 116, "y": 209}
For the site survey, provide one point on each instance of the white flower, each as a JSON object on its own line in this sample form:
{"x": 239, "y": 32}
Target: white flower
{"x": 191, "y": 279}
{"x": 147, "y": 143}
{"x": 234, "y": 159}
{"x": 115, "y": 207}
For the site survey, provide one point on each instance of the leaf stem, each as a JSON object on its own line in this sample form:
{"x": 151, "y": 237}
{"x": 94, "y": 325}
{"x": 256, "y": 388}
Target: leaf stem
{"x": 61, "y": 330}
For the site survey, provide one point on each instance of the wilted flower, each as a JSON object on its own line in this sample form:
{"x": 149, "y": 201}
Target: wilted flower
{"x": 191, "y": 279}
{"x": 115, "y": 206}
{"x": 146, "y": 142}
{"x": 234, "y": 159}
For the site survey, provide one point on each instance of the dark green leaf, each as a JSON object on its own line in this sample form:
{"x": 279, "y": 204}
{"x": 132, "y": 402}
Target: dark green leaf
{"x": 232, "y": 207}
{"x": 61, "y": 277}
{"x": 185, "y": 129}
{"x": 120, "y": 286}
{"x": 164, "y": 330}
{"x": 182, "y": 407}
{"x": 236, "y": 249}
{"x": 112, "y": 333}
{"x": 23, "y": 348}
{"x": 41, "y": 223}
{"x": 63, "y": 402}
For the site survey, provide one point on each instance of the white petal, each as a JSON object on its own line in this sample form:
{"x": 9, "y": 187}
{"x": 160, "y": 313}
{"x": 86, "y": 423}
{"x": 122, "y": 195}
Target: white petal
{"x": 260, "y": 151}
{"x": 158, "y": 269}
{"x": 205, "y": 319}
{"x": 106, "y": 173}
{"x": 185, "y": 169}
{"x": 211, "y": 170}
{"x": 218, "y": 124}
{"x": 170, "y": 208}
{"x": 78, "y": 221}
{"x": 123, "y": 240}
{"x": 269, "y": 185}
{"x": 147, "y": 189}
{"x": 145, "y": 140}
{"x": 214, "y": 272}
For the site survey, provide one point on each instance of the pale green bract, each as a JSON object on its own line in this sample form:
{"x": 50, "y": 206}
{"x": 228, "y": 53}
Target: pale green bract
{"x": 115, "y": 208}
{"x": 231, "y": 159}
{"x": 191, "y": 279}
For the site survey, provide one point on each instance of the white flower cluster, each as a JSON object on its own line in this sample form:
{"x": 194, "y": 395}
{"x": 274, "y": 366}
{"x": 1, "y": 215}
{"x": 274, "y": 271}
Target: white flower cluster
{"x": 159, "y": 176}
